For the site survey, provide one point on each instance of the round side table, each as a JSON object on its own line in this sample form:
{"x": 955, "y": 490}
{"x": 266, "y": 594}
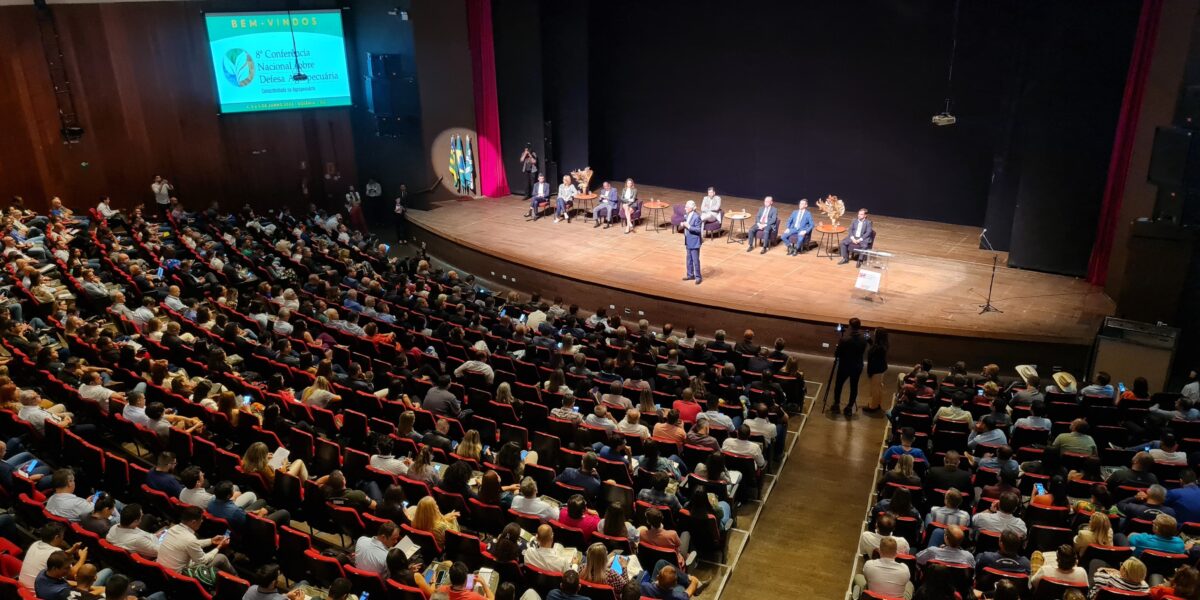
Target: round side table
{"x": 829, "y": 240}
{"x": 737, "y": 225}
{"x": 656, "y": 209}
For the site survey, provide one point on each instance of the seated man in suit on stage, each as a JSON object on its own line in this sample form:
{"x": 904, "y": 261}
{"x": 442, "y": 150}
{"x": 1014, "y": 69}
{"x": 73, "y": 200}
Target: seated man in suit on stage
{"x": 765, "y": 225}
{"x": 566, "y": 200}
{"x": 798, "y": 230}
{"x": 541, "y": 193}
{"x": 710, "y": 206}
{"x": 857, "y": 236}
{"x": 608, "y": 203}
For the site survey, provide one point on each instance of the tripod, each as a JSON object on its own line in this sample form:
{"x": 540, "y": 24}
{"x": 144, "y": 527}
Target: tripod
{"x": 829, "y": 384}
{"x": 987, "y": 305}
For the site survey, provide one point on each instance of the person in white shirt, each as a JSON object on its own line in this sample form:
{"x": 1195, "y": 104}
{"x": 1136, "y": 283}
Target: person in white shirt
{"x": 94, "y": 390}
{"x": 162, "y": 194}
{"x": 885, "y": 524}
{"x": 195, "y": 491}
{"x": 135, "y": 409}
{"x": 566, "y": 197}
{"x": 548, "y": 555}
{"x": 181, "y": 551}
{"x": 632, "y": 425}
{"x": 616, "y": 397}
{"x": 1000, "y": 516}
{"x": 64, "y": 503}
{"x": 759, "y": 424}
{"x": 50, "y": 540}
{"x": 105, "y": 208}
{"x": 710, "y": 205}
{"x": 477, "y": 366}
{"x": 385, "y": 461}
{"x": 1191, "y": 390}
{"x": 31, "y": 412}
{"x": 527, "y": 502}
{"x": 370, "y": 553}
{"x": 129, "y": 535}
{"x": 884, "y": 575}
{"x": 601, "y": 418}
{"x": 742, "y": 445}
{"x": 172, "y": 300}
{"x": 537, "y": 317}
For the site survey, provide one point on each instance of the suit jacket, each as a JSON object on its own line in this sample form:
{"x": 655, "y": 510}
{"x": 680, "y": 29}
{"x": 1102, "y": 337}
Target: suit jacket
{"x": 609, "y": 195}
{"x": 772, "y": 217}
{"x": 541, "y": 190}
{"x": 799, "y": 222}
{"x": 693, "y": 231}
{"x": 866, "y": 230}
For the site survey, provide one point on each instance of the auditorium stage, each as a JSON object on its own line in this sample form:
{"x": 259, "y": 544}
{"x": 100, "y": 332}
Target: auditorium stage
{"x": 931, "y": 296}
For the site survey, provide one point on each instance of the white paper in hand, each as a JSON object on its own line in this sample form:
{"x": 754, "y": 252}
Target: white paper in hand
{"x": 408, "y": 547}
{"x": 279, "y": 458}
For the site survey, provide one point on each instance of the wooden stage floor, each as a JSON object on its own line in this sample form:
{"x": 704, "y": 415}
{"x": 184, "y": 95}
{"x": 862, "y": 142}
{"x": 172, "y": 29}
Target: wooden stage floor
{"x": 934, "y": 285}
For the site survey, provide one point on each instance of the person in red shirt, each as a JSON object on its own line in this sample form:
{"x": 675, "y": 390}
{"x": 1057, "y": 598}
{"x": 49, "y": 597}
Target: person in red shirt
{"x": 577, "y": 514}
{"x": 457, "y": 590}
{"x": 688, "y": 407}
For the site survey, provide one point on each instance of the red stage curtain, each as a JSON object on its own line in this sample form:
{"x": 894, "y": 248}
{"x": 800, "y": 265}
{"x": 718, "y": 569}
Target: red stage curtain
{"x": 1118, "y": 165}
{"x": 492, "y": 180}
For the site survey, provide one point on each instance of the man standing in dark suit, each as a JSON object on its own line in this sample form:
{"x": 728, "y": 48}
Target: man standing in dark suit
{"x": 692, "y": 238}
{"x": 541, "y": 193}
{"x": 849, "y": 354}
{"x": 857, "y": 237}
{"x": 765, "y": 224}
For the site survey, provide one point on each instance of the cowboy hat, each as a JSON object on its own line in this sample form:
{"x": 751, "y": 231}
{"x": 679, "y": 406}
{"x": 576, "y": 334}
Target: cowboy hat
{"x": 1065, "y": 382}
{"x": 1026, "y": 372}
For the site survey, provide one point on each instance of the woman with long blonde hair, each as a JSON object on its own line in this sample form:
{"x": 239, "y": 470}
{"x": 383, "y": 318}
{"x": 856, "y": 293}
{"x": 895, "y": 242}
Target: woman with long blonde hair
{"x": 646, "y": 401}
{"x": 596, "y": 568}
{"x": 471, "y": 446}
{"x": 258, "y": 455}
{"x": 1098, "y": 531}
{"x": 319, "y": 394}
{"x": 426, "y": 516}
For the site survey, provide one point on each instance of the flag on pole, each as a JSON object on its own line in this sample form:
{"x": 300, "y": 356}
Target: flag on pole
{"x": 469, "y": 171}
{"x": 453, "y": 164}
{"x": 462, "y": 163}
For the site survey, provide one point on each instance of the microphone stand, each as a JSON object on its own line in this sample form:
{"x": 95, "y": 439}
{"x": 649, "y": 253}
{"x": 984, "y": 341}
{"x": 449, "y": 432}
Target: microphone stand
{"x": 987, "y": 305}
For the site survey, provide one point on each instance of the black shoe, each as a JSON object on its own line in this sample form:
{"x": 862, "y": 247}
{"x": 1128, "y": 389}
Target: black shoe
{"x": 835, "y": 408}
{"x": 843, "y": 261}
{"x": 849, "y": 411}
{"x": 750, "y": 247}
{"x": 606, "y": 225}
{"x": 764, "y": 250}
{"x": 698, "y": 280}
{"x": 688, "y": 278}
{"x": 597, "y": 225}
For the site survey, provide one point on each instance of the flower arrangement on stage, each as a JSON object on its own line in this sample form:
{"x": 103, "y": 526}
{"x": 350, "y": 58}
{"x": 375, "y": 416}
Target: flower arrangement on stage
{"x": 833, "y": 207}
{"x": 584, "y": 177}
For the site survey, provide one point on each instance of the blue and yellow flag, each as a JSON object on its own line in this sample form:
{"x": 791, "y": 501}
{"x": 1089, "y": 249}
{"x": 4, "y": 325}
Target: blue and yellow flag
{"x": 462, "y": 163}
{"x": 454, "y": 176}
{"x": 468, "y": 173}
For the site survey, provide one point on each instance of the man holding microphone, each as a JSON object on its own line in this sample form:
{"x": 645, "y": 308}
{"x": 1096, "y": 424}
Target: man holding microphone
{"x": 693, "y": 236}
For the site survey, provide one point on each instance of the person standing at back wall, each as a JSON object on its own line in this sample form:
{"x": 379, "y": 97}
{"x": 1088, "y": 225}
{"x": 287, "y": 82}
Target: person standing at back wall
{"x": 529, "y": 161}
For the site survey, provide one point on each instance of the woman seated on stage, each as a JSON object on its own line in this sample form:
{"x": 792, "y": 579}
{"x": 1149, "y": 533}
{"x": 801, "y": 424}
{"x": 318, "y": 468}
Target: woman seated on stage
{"x": 566, "y": 197}
{"x": 628, "y": 199}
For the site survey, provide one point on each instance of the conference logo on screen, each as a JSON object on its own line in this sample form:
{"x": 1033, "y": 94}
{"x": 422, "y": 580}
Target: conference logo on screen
{"x": 238, "y": 67}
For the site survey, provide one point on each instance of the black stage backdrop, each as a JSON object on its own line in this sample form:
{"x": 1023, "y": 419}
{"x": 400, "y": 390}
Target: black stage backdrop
{"x": 804, "y": 99}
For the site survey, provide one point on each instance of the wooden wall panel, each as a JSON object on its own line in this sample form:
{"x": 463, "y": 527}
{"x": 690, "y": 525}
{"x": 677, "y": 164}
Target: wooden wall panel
{"x": 143, "y": 88}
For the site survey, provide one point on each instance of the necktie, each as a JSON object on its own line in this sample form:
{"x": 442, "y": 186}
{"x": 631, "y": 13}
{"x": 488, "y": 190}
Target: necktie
{"x": 763, "y": 220}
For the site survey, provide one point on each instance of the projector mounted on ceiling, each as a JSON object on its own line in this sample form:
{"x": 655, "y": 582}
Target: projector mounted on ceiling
{"x": 943, "y": 119}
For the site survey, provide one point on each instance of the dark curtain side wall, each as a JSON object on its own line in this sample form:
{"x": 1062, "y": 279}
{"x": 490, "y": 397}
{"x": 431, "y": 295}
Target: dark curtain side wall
{"x": 1066, "y": 124}
{"x": 800, "y": 100}
{"x": 567, "y": 78}
{"x": 443, "y": 60}
{"x": 518, "y": 40}
{"x": 389, "y": 160}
